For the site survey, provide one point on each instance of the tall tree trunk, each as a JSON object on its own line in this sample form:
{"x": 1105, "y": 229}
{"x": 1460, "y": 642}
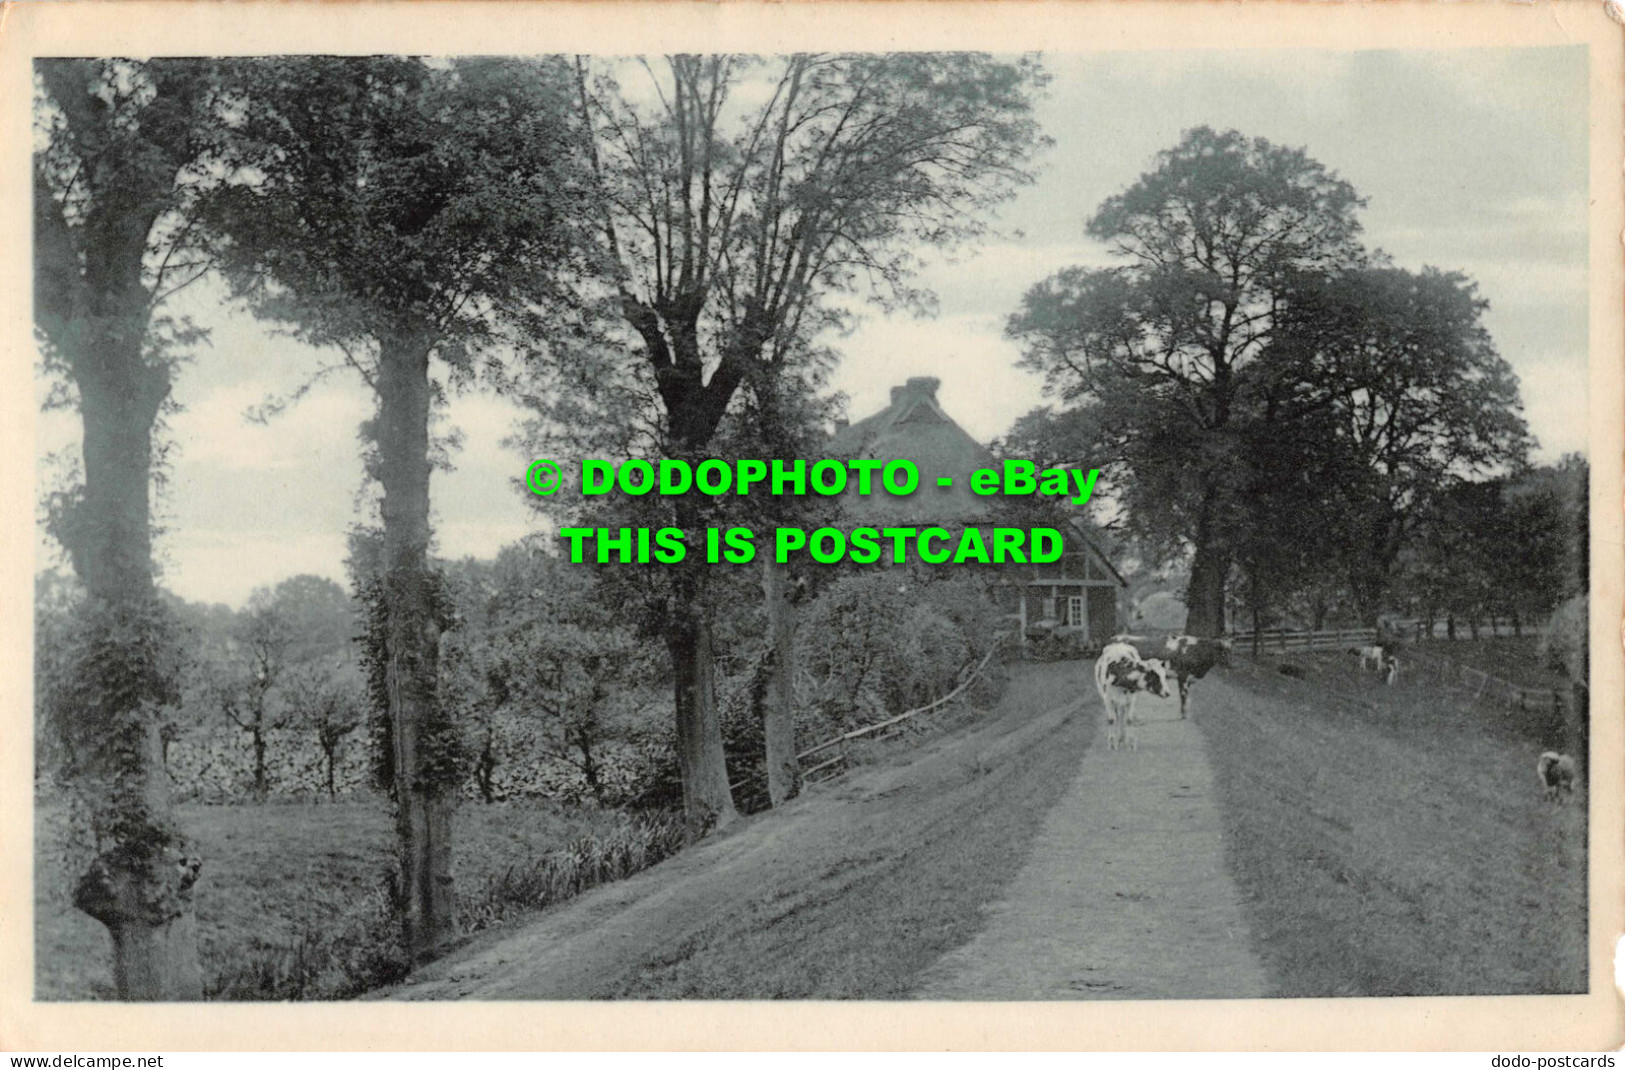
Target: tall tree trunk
{"x": 140, "y": 884}
{"x": 1204, "y": 597}
{"x": 1210, "y": 571}
{"x": 1368, "y": 589}
{"x": 485, "y": 769}
{"x": 707, "y": 800}
{"x": 778, "y": 713}
{"x": 423, "y": 746}
{"x": 589, "y": 771}
{"x": 262, "y": 777}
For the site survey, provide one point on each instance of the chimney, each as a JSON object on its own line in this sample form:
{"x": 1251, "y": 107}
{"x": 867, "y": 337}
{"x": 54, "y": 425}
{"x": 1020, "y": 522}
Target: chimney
{"x": 916, "y": 386}
{"x": 924, "y": 384}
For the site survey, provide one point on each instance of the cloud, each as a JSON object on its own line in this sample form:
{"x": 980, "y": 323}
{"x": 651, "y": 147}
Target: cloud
{"x": 1471, "y": 159}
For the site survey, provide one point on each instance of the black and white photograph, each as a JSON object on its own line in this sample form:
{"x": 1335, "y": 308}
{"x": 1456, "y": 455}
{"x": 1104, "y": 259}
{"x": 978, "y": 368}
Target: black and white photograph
{"x": 981, "y": 518}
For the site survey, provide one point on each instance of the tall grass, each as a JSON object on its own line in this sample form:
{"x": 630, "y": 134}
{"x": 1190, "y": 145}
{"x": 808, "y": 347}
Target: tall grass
{"x": 1389, "y": 841}
{"x": 358, "y": 951}
{"x": 586, "y": 863}
{"x": 361, "y": 950}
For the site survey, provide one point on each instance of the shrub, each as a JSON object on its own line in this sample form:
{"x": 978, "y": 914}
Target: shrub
{"x": 586, "y": 863}
{"x": 878, "y": 643}
{"x": 358, "y": 951}
{"x": 345, "y": 948}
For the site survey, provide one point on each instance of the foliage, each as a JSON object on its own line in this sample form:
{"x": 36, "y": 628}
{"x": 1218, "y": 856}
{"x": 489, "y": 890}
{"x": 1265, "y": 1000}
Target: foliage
{"x": 542, "y": 671}
{"x": 443, "y": 752}
{"x": 56, "y": 601}
{"x": 1503, "y": 548}
{"x": 1415, "y": 398}
{"x": 878, "y": 643}
{"x": 399, "y": 211}
{"x": 279, "y": 663}
{"x": 323, "y": 960}
{"x": 330, "y": 707}
{"x": 128, "y": 150}
{"x": 1167, "y": 355}
{"x": 124, "y": 149}
{"x": 730, "y": 224}
{"x": 292, "y": 905}
{"x": 1273, "y": 395}
{"x": 386, "y": 187}
{"x": 744, "y": 206}
{"x": 587, "y": 862}
{"x": 1565, "y": 645}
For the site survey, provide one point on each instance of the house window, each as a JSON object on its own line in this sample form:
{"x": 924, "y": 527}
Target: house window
{"x": 1074, "y": 611}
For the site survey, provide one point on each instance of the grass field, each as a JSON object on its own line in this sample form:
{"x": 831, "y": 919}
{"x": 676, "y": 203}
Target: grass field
{"x": 1515, "y": 660}
{"x": 280, "y": 881}
{"x": 1391, "y": 841}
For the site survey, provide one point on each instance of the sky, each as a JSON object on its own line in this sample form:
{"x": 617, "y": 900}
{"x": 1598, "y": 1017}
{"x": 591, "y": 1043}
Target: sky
{"x": 1471, "y": 160}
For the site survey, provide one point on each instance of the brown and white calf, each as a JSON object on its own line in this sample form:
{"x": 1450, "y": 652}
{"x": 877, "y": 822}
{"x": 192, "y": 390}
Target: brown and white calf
{"x": 1556, "y": 775}
{"x": 1120, "y": 675}
{"x": 1187, "y": 658}
{"x": 1371, "y": 656}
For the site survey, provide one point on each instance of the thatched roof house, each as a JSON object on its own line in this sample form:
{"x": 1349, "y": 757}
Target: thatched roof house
{"x": 914, "y": 426}
{"x": 1077, "y": 600}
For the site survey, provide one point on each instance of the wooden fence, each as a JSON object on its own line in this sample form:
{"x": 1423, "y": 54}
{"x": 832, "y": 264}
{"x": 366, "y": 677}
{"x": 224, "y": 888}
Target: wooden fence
{"x": 1407, "y": 630}
{"x": 831, "y": 767}
{"x": 1435, "y": 668}
{"x": 1278, "y": 639}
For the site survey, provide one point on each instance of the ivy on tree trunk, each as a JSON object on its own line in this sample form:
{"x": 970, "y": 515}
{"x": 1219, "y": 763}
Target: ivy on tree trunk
{"x": 117, "y": 135}
{"x": 425, "y": 752}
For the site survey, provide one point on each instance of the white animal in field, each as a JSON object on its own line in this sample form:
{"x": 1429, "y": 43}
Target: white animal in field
{"x": 1556, "y": 775}
{"x": 1390, "y": 665}
{"x": 1371, "y": 657}
{"x": 1186, "y": 657}
{"x": 1120, "y": 675}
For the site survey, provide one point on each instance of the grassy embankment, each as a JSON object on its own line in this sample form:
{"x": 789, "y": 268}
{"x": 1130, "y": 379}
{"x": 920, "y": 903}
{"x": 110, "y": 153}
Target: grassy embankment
{"x": 1393, "y": 841}
{"x": 292, "y": 901}
{"x": 853, "y": 891}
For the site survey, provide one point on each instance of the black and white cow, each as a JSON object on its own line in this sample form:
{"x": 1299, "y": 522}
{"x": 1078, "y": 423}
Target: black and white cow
{"x": 1187, "y": 657}
{"x": 1120, "y": 675}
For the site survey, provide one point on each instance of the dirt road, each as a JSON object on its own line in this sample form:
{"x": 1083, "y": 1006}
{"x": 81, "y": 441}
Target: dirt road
{"x": 850, "y": 892}
{"x": 1125, "y": 893}
{"x": 1007, "y": 859}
